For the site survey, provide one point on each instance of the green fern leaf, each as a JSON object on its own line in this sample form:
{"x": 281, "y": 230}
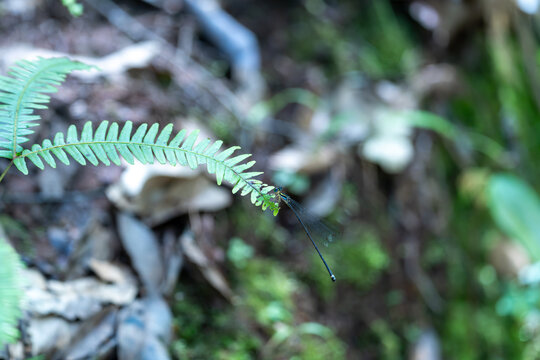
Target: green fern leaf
{"x": 10, "y": 293}
{"x": 20, "y": 163}
{"x": 238, "y": 186}
{"x": 56, "y": 150}
{"x": 220, "y": 172}
{"x": 163, "y": 138}
{"x": 188, "y": 155}
{"x": 23, "y": 92}
{"x": 235, "y": 160}
{"x": 226, "y": 153}
{"x": 47, "y": 154}
{"x": 199, "y": 149}
{"x": 135, "y": 147}
{"x": 175, "y": 142}
{"x": 149, "y": 138}
{"x": 267, "y": 189}
{"x": 111, "y": 136}
{"x": 213, "y": 149}
{"x": 242, "y": 167}
{"x": 97, "y": 148}
{"x": 104, "y": 146}
{"x": 246, "y": 190}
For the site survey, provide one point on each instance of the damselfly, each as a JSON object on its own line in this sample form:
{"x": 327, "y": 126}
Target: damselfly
{"x": 306, "y": 220}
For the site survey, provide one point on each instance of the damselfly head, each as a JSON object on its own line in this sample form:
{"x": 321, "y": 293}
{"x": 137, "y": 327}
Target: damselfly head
{"x": 279, "y": 194}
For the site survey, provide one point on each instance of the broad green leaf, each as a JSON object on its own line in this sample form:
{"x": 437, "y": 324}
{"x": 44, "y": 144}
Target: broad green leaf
{"x": 515, "y": 208}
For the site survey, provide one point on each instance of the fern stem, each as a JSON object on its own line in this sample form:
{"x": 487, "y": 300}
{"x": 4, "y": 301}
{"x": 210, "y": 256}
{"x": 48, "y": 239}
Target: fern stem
{"x": 5, "y": 171}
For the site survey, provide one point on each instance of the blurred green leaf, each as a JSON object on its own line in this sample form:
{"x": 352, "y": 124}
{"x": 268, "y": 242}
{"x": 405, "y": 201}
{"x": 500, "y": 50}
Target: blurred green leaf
{"x": 430, "y": 121}
{"x": 479, "y": 142}
{"x": 281, "y": 334}
{"x": 270, "y": 107}
{"x": 515, "y": 208}
{"x": 239, "y": 252}
{"x": 274, "y": 312}
{"x": 295, "y": 183}
{"x": 314, "y": 328}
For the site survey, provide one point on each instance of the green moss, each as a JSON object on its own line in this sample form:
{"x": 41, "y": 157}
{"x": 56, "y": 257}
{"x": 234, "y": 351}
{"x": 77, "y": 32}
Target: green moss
{"x": 268, "y": 294}
{"x": 267, "y": 291}
{"x": 209, "y": 330}
{"x": 317, "y": 347}
{"x": 389, "y": 341}
{"x": 475, "y": 332}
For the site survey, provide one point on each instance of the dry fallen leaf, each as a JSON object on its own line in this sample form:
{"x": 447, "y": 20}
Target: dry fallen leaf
{"x": 209, "y": 270}
{"x": 113, "y": 65}
{"x": 297, "y": 159}
{"x": 143, "y": 249}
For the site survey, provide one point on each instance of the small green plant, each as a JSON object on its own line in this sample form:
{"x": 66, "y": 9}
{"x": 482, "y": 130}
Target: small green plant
{"x": 74, "y": 8}
{"x": 25, "y": 91}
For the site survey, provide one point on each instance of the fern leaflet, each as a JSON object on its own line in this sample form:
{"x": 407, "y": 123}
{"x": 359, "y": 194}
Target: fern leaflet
{"x": 108, "y": 143}
{"x": 23, "y": 92}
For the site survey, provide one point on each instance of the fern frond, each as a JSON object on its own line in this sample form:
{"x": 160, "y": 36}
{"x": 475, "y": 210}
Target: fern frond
{"x": 108, "y": 143}
{"x": 10, "y": 293}
{"x": 23, "y": 92}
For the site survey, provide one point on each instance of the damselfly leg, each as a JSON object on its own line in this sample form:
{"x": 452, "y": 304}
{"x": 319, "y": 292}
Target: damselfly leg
{"x": 301, "y": 215}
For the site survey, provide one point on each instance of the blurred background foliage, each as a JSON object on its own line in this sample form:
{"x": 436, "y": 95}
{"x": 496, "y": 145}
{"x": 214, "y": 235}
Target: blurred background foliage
{"x": 413, "y": 128}
{"x": 446, "y": 245}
